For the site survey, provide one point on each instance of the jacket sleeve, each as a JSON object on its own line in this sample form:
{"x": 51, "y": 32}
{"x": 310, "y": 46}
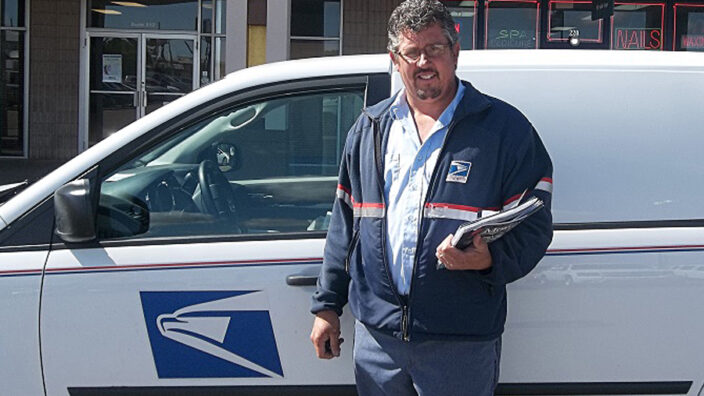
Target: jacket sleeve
{"x": 529, "y": 170}
{"x": 333, "y": 281}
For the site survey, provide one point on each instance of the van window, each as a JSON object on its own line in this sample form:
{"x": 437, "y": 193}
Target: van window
{"x": 264, "y": 167}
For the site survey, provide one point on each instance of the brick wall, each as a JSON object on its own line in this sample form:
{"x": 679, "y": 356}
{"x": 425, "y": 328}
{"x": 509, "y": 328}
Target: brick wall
{"x": 54, "y": 27}
{"x": 364, "y": 25}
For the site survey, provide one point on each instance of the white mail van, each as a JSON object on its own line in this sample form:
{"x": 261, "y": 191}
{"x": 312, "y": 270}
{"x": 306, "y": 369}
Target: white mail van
{"x": 178, "y": 255}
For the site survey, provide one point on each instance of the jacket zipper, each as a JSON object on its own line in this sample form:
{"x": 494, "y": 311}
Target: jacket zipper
{"x": 404, "y": 324}
{"x": 377, "y": 153}
{"x": 406, "y": 335}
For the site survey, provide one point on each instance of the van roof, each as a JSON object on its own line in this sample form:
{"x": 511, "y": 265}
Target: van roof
{"x": 575, "y": 59}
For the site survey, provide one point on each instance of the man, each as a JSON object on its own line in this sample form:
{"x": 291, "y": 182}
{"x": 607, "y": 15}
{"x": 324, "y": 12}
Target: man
{"x": 415, "y": 167}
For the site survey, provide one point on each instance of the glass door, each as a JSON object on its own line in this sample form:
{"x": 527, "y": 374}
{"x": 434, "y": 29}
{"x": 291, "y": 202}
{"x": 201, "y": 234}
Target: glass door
{"x": 114, "y": 83}
{"x": 132, "y": 75}
{"x": 169, "y": 69}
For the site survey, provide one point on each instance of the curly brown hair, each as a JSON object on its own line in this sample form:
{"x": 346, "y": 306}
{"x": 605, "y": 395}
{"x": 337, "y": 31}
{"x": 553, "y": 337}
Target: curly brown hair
{"x": 417, "y": 15}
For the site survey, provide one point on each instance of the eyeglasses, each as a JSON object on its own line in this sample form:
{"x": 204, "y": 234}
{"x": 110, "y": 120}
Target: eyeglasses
{"x": 412, "y": 55}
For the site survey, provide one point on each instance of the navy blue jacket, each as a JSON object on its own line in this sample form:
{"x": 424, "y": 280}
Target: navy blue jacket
{"x": 507, "y": 158}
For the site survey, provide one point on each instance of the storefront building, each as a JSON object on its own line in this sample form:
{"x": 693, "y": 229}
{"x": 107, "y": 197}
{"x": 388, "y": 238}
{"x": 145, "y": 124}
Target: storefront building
{"x": 75, "y": 71}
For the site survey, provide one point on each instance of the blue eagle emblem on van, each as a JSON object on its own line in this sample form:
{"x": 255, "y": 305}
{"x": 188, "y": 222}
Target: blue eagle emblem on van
{"x": 211, "y": 334}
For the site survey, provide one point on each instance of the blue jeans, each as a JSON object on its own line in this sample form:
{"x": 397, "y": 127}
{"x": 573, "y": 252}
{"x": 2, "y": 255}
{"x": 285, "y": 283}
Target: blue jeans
{"x": 385, "y": 365}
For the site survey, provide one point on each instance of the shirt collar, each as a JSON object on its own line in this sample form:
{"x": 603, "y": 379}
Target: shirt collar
{"x": 401, "y": 112}
{"x": 449, "y": 112}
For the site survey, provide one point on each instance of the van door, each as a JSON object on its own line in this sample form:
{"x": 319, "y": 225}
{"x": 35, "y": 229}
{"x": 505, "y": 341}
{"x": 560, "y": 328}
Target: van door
{"x": 210, "y": 241}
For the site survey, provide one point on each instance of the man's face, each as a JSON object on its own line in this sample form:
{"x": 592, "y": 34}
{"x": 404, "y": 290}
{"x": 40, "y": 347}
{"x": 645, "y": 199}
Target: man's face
{"x": 431, "y": 78}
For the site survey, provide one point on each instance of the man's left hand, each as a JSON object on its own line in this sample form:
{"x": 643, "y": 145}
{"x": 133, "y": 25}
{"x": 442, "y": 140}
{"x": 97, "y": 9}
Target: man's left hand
{"x": 475, "y": 257}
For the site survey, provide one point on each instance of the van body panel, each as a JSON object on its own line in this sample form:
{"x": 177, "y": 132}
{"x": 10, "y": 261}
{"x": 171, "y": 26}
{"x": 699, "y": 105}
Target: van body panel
{"x": 20, "y": 281}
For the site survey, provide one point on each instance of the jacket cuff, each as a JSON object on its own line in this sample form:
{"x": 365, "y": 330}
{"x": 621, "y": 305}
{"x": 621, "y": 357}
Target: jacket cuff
{"x": 491, "y": 274}
{"x": 318, "y": 306}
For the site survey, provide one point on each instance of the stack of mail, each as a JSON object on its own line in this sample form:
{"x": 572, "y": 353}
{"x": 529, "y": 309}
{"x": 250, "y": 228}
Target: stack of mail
{"x": 494, "y": 226}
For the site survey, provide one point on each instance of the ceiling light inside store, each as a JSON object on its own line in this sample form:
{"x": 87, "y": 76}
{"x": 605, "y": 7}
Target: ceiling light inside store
{"x": 106, "y": 12}
{"x": 128, "y": 3}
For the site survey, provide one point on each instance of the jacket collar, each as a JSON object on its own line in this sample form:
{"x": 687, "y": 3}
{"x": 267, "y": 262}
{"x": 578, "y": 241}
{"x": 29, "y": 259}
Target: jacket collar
{"x": 472, "y": 102}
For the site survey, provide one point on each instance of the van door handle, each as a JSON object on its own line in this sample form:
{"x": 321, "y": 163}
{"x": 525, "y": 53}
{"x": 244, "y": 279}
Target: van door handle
{"x": 301, "y": 280}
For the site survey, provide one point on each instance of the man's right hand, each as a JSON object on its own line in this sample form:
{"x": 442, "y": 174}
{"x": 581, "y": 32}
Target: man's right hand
{"x": 326, "y": 328}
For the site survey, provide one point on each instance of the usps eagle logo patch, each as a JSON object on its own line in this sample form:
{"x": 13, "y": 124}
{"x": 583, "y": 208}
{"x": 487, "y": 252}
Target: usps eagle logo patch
{"x": 459, "y": 171}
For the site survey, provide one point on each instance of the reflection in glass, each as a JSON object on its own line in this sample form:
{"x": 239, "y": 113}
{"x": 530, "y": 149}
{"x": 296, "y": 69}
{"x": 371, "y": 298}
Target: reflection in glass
{"x": 169, "y": 65}
{"x": 212, "y": 60}
{"x": 108, "y": 114}
{"x": 219, "y": 64}
{"x": 154, "y": 101}
{"x": 511, "y": 24}
{"x": 281, "y": 157}
{"x": 689, "y": 27}
{"x": 219, "y": 16}
{"x": 464, "y": 24}
{"x": 213, "y": 16}
{"x": 143, "y": 14}
{"x": 206, "y": 16}
{"x": 566, "y": 16}
{"x": 206, "y": 49}
{"x": 113, "y": 64}
{"x": 463, "y": 12}
{"x": 315, "y": 18}
{"x": 11, "y": 93}
{"x": 12, "y": 13}
{"x": 314, "y": 48}
{"x": 637, "y": 26}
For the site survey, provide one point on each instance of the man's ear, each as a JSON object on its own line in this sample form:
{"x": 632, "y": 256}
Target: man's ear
{"x": 394, "y": 60}
{"x": 456, "y": 51}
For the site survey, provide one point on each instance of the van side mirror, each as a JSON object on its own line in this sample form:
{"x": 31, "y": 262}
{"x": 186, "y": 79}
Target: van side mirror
{"x": 74, "y": 212}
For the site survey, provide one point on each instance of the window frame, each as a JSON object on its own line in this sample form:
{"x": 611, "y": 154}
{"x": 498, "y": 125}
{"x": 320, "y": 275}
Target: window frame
{"x": 487, "y": 7}
{"x": 215, "y": 73}
{"x": 292, "y": 37}
{"x": 475, "y": 10}
{"x": 165, "y": 131}
{"x": 25, "y": 80}
{"x": 88, "y": 23}
{"x": 598, "y": 40}
{"x": 663, "y": 9}
{"x": 675, "y": 46}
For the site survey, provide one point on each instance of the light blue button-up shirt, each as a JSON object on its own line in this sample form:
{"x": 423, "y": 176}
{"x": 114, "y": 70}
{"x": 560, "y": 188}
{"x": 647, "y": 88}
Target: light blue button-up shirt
{"x": 408, "y": 167}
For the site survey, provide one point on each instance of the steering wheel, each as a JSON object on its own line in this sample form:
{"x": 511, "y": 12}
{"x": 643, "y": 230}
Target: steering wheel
{"x": 216, "y": 194}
